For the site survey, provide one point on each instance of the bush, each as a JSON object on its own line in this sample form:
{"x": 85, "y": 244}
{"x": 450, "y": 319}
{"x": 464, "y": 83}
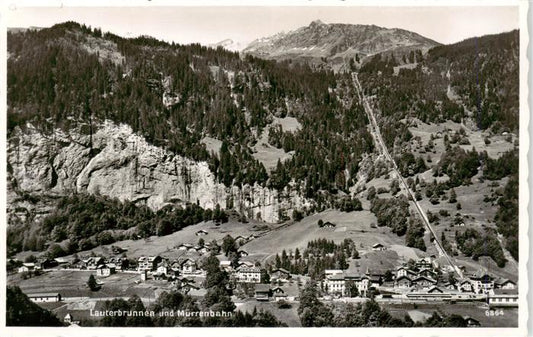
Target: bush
{"x": 282, "y": 304}
{"x": 297, "y": 215}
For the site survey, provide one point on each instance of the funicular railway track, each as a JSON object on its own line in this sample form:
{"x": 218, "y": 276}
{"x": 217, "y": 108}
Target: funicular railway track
{"x": 384, "y": 151}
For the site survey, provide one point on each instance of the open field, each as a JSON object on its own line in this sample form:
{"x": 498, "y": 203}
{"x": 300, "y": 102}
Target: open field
{"x": 73, "y": 284}
{"x": 212, "y": 144}
{"x": 498, "y": 143}
{"x": 165, "y": 245}
{"x": 354, "y": 225}
{"x": 267, "y": 154}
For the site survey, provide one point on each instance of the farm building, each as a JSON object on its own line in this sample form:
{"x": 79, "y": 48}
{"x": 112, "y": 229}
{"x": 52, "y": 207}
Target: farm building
{"x": 280, "y": 274}
{"x": 262, "y": 292}
{"x": 328, "y": 224}
{"x": 45, "y": 297}
{"x": 378, "y": 247}
{"x": 27, "y": 267}
{"x": 105, "y": 270}
{"x": 201, "y": 232}
{"x": 184, "y": 246}
{"x": 242, "y": 253}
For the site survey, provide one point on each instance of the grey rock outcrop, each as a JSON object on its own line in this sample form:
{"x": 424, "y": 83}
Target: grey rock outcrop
{"x": 118, "y": 163}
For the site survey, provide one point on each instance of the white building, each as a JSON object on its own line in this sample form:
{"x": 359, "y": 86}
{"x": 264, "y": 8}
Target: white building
{"x": 338, "y": 284}
{"x": 503, "y": 298}
{"x": 482, "y": 283}
{"x": 45, "y": 297}
{"x": 105, "y": 270}
{"x": 27, "y": 267}
{"x": 247, "y": 274}
{"x": 148, "y": 263}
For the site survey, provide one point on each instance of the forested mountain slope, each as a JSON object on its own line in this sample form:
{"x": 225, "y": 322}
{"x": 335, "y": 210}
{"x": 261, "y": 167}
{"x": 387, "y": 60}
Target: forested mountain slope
{"x": 475, "y": 84}
{"x": 162, "y": 124}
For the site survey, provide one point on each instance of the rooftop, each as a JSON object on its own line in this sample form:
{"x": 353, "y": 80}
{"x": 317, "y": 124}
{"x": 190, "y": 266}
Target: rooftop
{"x": 43, "y": 295}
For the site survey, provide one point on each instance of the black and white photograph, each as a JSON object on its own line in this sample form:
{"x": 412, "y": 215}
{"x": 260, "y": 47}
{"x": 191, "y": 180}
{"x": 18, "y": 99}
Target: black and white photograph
{"x": 267, "y": 166}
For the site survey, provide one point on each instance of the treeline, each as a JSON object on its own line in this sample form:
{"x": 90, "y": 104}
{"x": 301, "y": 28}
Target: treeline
{"x": 320, "y": 254}
{"x": 392, "y": 212}
{"x": 408, "y": 165}
{"x": 414, "y": 237}
{"x": 482, "y": 71}
{"x": 472, "y": 243}
{"x": 505, "y": 165}
{"x": 506, "y": 217}
{"x": 459, "y": 165}
{"x": 83, "y": 221}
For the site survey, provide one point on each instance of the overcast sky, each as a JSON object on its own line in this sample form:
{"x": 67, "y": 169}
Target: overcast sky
{"x": 244, "y": 24}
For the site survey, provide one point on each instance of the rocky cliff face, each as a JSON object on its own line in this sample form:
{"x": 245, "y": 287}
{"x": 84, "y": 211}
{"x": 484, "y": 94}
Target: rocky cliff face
{"x": 119, "y": 163}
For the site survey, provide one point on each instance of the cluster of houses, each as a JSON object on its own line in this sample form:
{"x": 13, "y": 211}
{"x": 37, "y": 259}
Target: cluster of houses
{"x": 423, "y": 281}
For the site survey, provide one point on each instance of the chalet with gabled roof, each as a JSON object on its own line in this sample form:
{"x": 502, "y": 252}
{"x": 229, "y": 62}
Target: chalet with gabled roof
{"x": 105, "y": 270}
{"x": 378, "y": 247}
{"x": 328, "y": 224}
{"x": 466, "y": 286}
{"x": 201, "y": 232}
{"x": 148, "y": 263}
{"x": 402, "y": 282}
{"x": 423, "y": 282}
{"x": 504, "y": 284}
{"x": 262, "y": 292}
{"x": 188, "y": 267}
{"x": 280, "y": 274}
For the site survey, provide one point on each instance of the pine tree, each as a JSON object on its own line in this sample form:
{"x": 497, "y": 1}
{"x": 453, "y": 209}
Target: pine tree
{"x": 91, "y": 283}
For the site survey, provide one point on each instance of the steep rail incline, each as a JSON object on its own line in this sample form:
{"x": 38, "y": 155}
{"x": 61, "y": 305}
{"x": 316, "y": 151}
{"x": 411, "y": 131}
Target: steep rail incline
{"x": 383, "y": 149}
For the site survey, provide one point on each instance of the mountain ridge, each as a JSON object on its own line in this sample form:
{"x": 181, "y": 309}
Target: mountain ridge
{"x": 337, "y": 43}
